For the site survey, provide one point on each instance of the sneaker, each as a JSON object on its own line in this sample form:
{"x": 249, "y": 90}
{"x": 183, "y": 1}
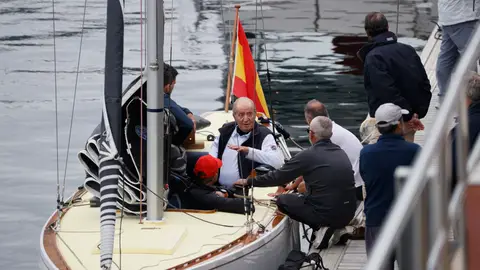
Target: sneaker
{"x": 340, "y": 237}
{"x": 358, "y": 233}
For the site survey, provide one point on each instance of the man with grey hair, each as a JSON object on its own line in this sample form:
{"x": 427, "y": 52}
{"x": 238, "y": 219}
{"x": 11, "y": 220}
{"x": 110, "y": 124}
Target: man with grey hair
{"x": 473, "y": 103}
{"x": 244, "y": 144}
{"x": 352, "y": 147}
{"x": 341, "y": 137}
{"x": 329, "y": 200}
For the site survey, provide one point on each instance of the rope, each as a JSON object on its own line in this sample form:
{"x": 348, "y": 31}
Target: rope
{"x": 72, "y": 115}
{"x": 56, "y": 110}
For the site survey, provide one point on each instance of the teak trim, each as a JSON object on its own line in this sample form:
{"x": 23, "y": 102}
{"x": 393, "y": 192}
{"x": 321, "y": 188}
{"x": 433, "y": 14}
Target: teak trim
{"x": 50, "y": 239}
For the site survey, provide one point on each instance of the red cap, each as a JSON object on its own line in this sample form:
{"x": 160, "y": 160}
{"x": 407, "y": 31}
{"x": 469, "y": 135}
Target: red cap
{"x": 207, "y": 166}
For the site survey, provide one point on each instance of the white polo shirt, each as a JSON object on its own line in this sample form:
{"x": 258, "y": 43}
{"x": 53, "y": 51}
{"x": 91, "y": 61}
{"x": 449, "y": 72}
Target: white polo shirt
{"x": 352, "y": 147}
{"x": 229, "y": 173}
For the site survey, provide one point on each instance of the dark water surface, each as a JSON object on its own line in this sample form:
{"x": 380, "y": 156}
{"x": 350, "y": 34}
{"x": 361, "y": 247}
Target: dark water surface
{"x": 310, "y": 46}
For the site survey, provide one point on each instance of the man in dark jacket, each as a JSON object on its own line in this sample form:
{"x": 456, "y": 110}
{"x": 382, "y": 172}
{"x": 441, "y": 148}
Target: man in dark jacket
{"x": 378, "y": 163}
{"x": 394, "y": 73}
{"x": 330, "y": 199}
{"x": 206, "y": 195}
{"x": 473, "y": 102}
{"x": 183, "y": 116}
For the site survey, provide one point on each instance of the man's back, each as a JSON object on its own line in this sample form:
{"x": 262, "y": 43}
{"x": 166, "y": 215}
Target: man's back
{"x": 352, "y": 147}
{"x": 394, "y": 73}
{"x": 378, "y": 163}
{"x": 328, "y": 177}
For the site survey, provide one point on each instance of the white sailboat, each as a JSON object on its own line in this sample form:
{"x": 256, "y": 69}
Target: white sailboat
{"x": 78, "y": 236}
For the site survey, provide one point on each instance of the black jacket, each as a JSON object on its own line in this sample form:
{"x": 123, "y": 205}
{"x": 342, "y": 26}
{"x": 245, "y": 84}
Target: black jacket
{"x": 473, "y": 131}
{"x": 328, "y": 177}
{"x": 394, "y": 73}
{"x": 204, "y": 198}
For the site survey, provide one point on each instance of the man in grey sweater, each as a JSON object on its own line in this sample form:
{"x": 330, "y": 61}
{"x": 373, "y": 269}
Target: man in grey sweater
{"x": 330, "y": 199}
{"x": 457, "y": 19}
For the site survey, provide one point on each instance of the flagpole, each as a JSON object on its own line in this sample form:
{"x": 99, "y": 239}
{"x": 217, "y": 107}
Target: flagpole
{"x": 232, "y": 54}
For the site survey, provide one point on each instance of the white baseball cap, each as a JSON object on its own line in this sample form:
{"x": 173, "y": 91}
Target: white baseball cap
{"x": 389, "y": 114}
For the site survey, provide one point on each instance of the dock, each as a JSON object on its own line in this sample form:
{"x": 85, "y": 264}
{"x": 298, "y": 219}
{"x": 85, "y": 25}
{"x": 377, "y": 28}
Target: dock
{"x": 352, "y": 256}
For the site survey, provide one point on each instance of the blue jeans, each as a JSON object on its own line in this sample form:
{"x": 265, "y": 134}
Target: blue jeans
{"x": 454, "y": 42}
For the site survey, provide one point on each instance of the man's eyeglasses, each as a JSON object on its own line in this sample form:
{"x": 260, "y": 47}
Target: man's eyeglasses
{"x": 308, "y": 129}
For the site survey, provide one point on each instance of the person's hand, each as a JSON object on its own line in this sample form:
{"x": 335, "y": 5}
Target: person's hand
{"x": 301, "y": 187}
{"x": 243, "y": 149}
{"x": 415, "y": 123}
{"x": 221, "y": 194}
{"x": 291, "y": 186}
{"x": 279, "y": 191}
{"x": 240, "y": 182}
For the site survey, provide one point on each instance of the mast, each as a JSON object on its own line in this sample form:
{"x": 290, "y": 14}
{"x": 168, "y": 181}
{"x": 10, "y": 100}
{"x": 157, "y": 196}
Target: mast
{"x": 110, "y": 140}
{"x": 231, "y": 61}
{"x": 155, "y": 112}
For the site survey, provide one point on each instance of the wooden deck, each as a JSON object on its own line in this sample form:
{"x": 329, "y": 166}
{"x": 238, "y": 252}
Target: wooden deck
{"x": 353, "y": 255}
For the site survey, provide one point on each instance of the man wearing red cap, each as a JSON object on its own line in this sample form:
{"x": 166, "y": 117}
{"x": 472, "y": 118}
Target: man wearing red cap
{"x": 205, "y": 195}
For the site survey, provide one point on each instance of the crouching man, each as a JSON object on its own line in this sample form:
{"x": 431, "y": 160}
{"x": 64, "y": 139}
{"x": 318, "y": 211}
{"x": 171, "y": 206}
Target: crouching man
{"x": 206, "y": 196}
{"x": 330, "y": 199}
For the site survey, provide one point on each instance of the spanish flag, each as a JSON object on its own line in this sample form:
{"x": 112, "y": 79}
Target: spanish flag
{"x": 246, "y": 82}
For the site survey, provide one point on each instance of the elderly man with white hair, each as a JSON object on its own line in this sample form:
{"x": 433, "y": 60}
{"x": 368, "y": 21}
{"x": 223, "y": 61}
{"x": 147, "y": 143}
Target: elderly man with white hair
{"x": 330, "y": 198}
{"x": 473, "y": 103}
{"x": 244, "y": 144}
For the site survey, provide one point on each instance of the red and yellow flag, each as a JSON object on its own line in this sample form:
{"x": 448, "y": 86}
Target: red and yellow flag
{"x": 246, "y": 82}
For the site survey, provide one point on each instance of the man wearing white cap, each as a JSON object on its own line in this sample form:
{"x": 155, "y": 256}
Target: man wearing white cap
{"x": 377, "y": 166}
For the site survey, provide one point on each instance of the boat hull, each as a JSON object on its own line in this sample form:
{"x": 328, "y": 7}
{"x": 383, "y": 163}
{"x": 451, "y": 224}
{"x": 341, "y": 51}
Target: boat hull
{"x": 268, "y": 252}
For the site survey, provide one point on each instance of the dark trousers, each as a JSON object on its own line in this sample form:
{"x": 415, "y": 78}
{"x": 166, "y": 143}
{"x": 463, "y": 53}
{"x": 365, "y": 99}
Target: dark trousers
{"x": 371, "y": 235}
{"x": 295, "y": 206}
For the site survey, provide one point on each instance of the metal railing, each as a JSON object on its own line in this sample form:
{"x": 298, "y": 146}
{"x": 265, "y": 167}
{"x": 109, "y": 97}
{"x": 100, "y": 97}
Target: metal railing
{"x": 419, "y": 222}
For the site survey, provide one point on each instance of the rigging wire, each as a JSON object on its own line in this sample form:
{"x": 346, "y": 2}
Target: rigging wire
{"x": 223, "y": 19}
{"x": 269, "y": 78}
{"x": 121, "y": 223}
{"x": 56, "y": 109}
{"x": 140, "y": 176}
{"x": 171, "y": 33}
{"x": 71, "y": 250}
{"x": 74, "y": 99}
{"x": 255, "y": 96}
{"x": 398, "y": 15}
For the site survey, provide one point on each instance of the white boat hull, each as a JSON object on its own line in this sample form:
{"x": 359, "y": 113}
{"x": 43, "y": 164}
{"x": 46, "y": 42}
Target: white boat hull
{"x": 268, "y": 252}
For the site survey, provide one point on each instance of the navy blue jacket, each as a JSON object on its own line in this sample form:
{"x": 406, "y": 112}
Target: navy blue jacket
{"x": 394, "y": 73}
{"x": 473, "y": 130}
{"x": 184, "y": 124}
{"x": 377, "y": 166}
